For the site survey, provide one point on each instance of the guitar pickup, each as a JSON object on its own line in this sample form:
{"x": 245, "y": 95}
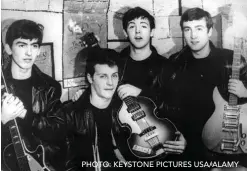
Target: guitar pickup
{"x": 228, "y": 115}
{"x": 138, "y": 115}
{"x": 229, "y": 130}
{"x": 231, "y": 108}
{"x": 148, "y": 130}
{"x": 223, "y": 147}
{"x": 230, "y": 124}
{"x": 233, "y": 141}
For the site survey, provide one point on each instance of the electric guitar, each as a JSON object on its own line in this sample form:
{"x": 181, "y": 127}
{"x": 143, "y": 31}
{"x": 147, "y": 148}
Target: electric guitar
{"x": 149, "y": 133}
{"x": 16, "y": 155}
{"x": 226, "y": 130}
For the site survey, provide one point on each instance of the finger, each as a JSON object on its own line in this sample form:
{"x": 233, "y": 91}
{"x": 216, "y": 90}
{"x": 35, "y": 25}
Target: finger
{"x": 22, "y": 113}
{"x": 125, "y": 95}
{"x": 7, "y": 97}
{"x": 177, "y": 146}
{"x": 174, "y": 151}
{"x": 177, "y": 143}
{"x": 121, "y": 87}
{"x": 233, "y": 80}
{"x": 11, "y": 99}
{"x": 232, "y": 91}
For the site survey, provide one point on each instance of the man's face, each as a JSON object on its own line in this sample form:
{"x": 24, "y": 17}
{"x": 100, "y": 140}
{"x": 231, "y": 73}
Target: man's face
{"x": 139, "y": 32}
{"x": 104, "y": 81}
{"x": 196, "y": 34}
{"x": 24, "y": 52}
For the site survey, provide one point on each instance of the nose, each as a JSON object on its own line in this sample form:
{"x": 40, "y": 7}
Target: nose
{"x": 193, "y": 34}
{"x": 138, "y": 29}
{"x": 29, "y": 50}
{"x": 109, "y": 81}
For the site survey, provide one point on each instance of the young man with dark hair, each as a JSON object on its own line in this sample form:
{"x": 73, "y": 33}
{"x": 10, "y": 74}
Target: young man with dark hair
{"x": 199, "y": 69}
{"x": 31, "y": 96}
{"x": 142, "y": 65}
{"x": 92, "y": 127}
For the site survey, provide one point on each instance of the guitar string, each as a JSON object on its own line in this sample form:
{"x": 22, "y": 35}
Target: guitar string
{"x": 152, "y": 141}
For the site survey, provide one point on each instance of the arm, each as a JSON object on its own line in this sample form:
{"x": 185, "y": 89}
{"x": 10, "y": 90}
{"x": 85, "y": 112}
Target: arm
{"x": 50, "y": 123}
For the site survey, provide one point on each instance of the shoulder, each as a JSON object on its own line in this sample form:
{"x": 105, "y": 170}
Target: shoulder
{"x": 223, "y": 56}
{"x": 42, "y": 79}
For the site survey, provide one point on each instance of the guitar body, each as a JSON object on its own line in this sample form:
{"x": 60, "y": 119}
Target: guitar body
{"x": 143, "y": 141}
{"x": 29, "y": 162}
{"x": 213, "y": 134}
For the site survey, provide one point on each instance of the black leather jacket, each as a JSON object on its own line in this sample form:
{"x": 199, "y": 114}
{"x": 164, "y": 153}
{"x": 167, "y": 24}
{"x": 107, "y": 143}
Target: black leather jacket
{"x": 46, "y": 93}
{"x": 225, "y": 56}
{"x": 80, "y": 124}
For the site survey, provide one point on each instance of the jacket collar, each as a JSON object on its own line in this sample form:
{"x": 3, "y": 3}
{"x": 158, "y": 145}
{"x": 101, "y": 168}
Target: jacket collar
{"x": 38, "y": 80}
{"x": 125, "y": 53}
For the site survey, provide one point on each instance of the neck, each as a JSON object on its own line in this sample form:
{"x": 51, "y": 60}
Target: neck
{"x": 99, "y": 102}
{"x": 19, "y": 73}
{"x": 140, "y": 54}
{"x": 203, "y": 53}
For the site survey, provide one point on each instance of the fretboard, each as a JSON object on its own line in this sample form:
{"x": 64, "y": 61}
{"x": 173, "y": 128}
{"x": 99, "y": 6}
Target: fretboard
{"x": 233, "y": 99}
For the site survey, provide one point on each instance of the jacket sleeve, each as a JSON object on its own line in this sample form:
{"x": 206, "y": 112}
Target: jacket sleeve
{"x": 50, "y": 123}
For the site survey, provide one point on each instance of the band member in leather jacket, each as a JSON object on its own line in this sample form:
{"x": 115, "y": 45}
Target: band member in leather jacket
{"x": 198, "y": 69}
{"x": 32, "y": 95}
{"x": 92, "y": 127}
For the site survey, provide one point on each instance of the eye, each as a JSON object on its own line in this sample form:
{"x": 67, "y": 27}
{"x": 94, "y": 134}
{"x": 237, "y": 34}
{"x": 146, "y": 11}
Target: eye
{"x": 131, "y": 26}
{"x": 186, "y": 29}
{"x": 115, "y": 76}
{"x": 199, "y": 29}
{"x": 21, "y": 45}
{"x": 35, "y": 45}
{"x": 102, "y": 76}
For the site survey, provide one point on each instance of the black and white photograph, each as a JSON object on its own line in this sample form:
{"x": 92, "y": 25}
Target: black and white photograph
{"x": 123, "y": 85}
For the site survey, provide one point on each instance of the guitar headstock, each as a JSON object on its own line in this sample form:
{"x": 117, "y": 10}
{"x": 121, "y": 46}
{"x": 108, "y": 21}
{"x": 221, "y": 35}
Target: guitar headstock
{"x": 89, "y": 40}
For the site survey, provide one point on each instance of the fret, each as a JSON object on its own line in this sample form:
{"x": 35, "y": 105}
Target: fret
{"x": 233, "y": 100}
{"x": 14, "y": 132}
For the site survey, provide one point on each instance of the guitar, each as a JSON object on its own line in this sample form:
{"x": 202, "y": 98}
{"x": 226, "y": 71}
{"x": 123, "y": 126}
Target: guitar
{"x": 225, "y": 131}
{"x": 16, "y": 155}
{"x": 149, "y": 133}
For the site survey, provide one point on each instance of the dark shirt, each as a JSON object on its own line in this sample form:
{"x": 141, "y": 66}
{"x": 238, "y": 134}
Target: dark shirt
{"x": 136, "y": 72}
{"x": 104, "y": 125}
{"x": 24, "y": 93}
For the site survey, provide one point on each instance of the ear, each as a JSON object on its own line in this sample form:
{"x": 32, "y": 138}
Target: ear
{"x": 210, "y": 32}
{"x": 89, "y": 78}
{"x": 152, "y": 33}
{"x": 8, "y": 49}
{"x": 125, "y": 33}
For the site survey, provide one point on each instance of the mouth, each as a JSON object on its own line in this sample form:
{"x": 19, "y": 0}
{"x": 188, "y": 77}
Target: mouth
{"x": 194, "y": 42}
{"x": 138, "y": 38}
{"x": 109, "y": 89}
{"x": 27, "y": 60}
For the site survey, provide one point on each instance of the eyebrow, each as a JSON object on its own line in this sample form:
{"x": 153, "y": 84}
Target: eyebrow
{"x": 195, "y": 26}
{"x": 142, "y": 22}
{"x": 106, "y": 73}
{"x": 20, "y": 42}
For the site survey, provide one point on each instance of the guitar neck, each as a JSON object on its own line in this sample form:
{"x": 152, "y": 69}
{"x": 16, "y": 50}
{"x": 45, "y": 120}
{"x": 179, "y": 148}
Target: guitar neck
{"x": 131, "y": 104}
{"x": 16, "y": 139}
{"x": 233, "y": 99}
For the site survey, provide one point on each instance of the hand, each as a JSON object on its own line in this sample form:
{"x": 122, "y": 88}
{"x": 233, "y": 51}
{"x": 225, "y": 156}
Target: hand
{"x": 12, "y": 108}
{"x": 128, "y": 90}
{"x": 237, "y": 87}
{"x": 77, "y": 95}
{"x": 176, "y": 147}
